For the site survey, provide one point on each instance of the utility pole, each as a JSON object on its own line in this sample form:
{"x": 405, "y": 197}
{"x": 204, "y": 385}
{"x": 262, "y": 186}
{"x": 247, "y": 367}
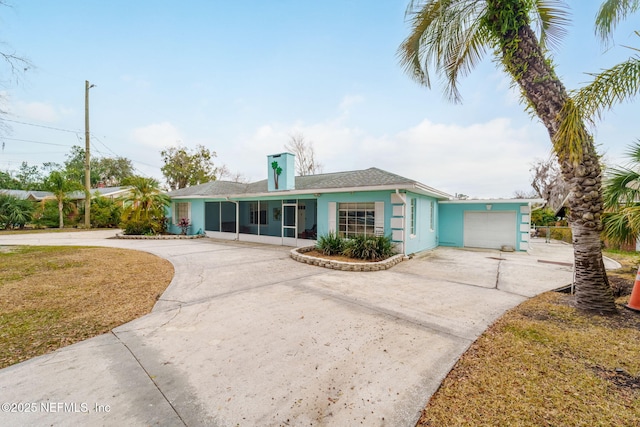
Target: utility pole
{"x": 87, "y": 158}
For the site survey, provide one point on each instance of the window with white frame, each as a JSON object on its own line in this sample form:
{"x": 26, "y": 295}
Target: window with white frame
{"x": 258, "y": 213}
{"x": 181, "y": 210}
{"x": 413, "y": 216}
{"x": 356, "y": 219}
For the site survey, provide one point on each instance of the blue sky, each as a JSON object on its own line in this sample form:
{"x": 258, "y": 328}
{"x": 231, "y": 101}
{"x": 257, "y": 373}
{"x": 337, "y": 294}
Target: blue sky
{"x": 240, "y": 77}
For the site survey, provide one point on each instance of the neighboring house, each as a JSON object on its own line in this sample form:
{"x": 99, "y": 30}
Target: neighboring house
{"x": 294, "y": 210}
{"x": 113, "y": 193}
{"x": 33, "y": 195}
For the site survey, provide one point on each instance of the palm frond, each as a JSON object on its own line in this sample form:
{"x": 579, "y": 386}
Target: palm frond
{"x": 468, "y": 47}
{"x": 569, "y": 139}
{"x": 608, "y": 88}
{"x": 611, "y": 13}
{"x": 633, "y": 153}
{"x": 552, "y": 17}
{"x": 623, "y": 225}
{"x": 446, "y": 35}
{"x": 621, "y": 187}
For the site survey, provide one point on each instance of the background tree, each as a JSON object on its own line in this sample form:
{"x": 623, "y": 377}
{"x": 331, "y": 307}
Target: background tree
{"x": 113, "y": 170}
{"x": 29, "y": 177}
{"x": 184, "y": 168}
{"x": 452, "y": 36}
{"x": 7, "y": 182}
{"x": 144, "y": 206}
{"x": 547, "y": 183}
{"x": 61, "y": 185}
{"x": 306, "y": 163}
{"x": 223, "y": 173}
{"x": 107, "y": 170}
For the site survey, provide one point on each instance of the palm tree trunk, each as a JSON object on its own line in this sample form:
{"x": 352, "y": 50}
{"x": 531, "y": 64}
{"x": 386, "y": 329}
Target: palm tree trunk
{"x": 60, "y": 215}
{"x": 525, "y": 61}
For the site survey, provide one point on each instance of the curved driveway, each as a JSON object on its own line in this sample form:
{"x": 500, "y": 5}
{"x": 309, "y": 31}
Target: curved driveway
{"x": 244, "y": 335}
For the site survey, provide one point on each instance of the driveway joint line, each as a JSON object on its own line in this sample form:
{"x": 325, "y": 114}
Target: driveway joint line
{"x": 236, "y": 291}
{"x": 150, "y": 378}
{"x": 382, "y": 311}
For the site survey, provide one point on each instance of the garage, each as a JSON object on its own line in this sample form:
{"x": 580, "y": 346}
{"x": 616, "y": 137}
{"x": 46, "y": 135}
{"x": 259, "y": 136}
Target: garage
{"x": 489, "y": 230}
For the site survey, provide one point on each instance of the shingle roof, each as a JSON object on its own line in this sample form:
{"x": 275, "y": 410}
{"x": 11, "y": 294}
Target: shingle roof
{"x": 24, "y": 194}
{"x": 372, "y": 177}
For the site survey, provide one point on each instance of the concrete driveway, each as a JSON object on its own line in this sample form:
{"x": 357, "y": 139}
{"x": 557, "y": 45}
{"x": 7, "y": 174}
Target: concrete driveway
{"x": 244, "y": 335}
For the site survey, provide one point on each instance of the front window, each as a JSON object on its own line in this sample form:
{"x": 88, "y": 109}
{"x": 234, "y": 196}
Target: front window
{"x": 181, "y": 210}
{"x": 356, "y": 219}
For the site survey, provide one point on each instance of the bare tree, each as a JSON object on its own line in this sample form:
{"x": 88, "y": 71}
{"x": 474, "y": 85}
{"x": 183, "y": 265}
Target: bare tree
{"x": 522, "y": 194}
{"x": 12, "y": 69}
{"x": 306, "y": 163}
{"x": 223, "y": 172}
{"x": 547, "y": 182}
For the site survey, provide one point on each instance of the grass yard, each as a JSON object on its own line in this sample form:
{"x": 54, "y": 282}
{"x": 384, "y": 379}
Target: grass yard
{"x": 544, "y": 363}
{"x": 55, "y": 296}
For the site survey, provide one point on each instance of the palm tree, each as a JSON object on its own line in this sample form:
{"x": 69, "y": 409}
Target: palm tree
{"x": 15, "y": 212}
{"x": 145, "y": 203}
{"x": 58, "y": 183}
{"x": 452, "y": 36}
{"x": 622, "y": 200}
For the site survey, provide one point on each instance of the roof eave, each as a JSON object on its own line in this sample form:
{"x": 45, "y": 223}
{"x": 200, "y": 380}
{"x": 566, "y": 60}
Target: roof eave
{"x": 414, "y": 187}
{"x": 494, "y": 201}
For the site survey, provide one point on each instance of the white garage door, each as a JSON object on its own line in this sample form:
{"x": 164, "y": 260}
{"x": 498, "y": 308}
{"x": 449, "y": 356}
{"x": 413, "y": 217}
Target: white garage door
{"x": 489, "y": 229}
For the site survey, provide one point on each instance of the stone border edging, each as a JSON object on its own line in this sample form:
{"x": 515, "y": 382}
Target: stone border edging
{"x": 298, "y": 255}
{"x": 159, "y": 237}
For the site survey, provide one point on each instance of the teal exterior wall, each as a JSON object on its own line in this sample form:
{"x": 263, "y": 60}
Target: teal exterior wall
{"x": 317, "y": 212}
{"x": 197, "y": 216}
{"x": 451, "y": 220}
{"x": 425, "y": 237}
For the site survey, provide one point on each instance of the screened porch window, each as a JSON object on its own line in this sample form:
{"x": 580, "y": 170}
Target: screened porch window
{"x": 356, "y": 219}
{"x": 258, "y": 213}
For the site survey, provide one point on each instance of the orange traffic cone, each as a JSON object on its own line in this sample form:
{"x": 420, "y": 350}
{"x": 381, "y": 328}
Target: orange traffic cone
{"x": 634, "y": 301}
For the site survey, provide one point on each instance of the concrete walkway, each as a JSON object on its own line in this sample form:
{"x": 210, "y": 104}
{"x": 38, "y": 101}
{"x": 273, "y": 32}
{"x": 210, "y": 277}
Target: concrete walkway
{"x": 244, "y": 335}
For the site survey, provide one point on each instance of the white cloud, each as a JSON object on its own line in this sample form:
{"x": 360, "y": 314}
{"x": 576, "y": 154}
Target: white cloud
{"x": 157, "y": 135}
{"x": 486, "y": 160}
{"x": 39, "y": 111}
{"x": 489, "y": 159}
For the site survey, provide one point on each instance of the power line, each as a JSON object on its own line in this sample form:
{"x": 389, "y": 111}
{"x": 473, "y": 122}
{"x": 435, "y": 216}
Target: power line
{"x": 36, "y": 142}
{"x": 42, "y": 126}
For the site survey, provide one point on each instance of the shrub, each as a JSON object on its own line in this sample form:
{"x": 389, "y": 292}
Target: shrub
{"x": 563, "y": 234}
{"x": 14, "y": 212}
{"x": 139, "y": 227}
{"x": 47, "y": 215}
{"x": 184, "y": 225}
{"x": 330, "y": 244}
{"x": 105, "y": 212}
{"x": 372, "y": 248}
